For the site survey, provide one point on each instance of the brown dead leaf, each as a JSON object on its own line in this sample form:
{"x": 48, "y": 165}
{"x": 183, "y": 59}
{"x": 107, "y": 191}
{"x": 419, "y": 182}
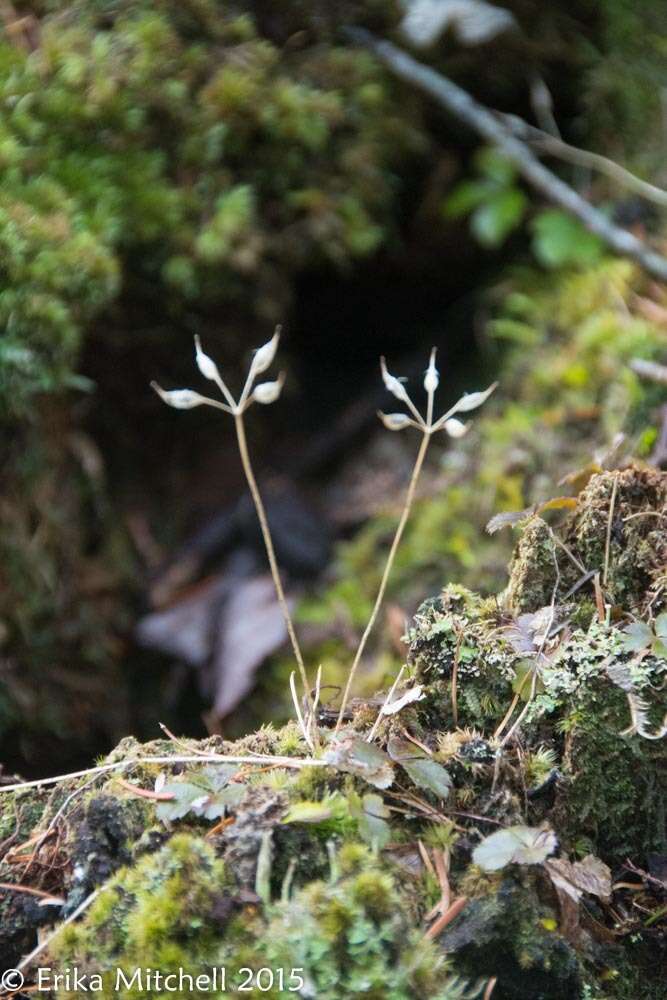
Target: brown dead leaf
{"x": 571, "y": 881}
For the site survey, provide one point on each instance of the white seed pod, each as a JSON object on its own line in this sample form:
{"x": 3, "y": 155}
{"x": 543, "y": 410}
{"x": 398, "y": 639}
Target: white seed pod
{"x": 473, "y": 399}
{"x": 456, "y": 428}
{"x": 180, "y": 399}
{"x": 392, "y": 384}
{"x": 432, "y": 376}
{"x": 394, "y": 421}
{"x": 264, "y": 355}
{"x": 268, "y": 392}
{"x": 206, "y": 365}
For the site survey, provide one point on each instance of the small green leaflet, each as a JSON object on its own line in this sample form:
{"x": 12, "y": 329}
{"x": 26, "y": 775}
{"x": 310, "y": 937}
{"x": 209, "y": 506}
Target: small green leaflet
{"x": 639, "y": 635}
{"x": 425, "y": 772}
{"x": 206, "y": 793}
{"x": 362, "y": 759}
{"x": 371, "y": 815}
{"x": 520, "y": 845}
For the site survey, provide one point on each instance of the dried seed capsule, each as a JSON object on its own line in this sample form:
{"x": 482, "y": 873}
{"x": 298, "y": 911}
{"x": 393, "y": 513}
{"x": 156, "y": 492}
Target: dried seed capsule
{"x": 206, "y": 365}
{"x": 180, "y": 399}
{"x": 268, "y": 392}
{"x": 394, "y": 421}
{"x": 455, "y": 428}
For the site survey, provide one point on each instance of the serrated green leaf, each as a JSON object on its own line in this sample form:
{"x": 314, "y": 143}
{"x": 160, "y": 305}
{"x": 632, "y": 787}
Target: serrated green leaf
{"x": 637, "y": 636}
{"x": 429, "y": 775}
{"x": 425, "y": 772}
{"x": 204, "y": 793}
{"x": 523, "y": 845}
{"x": 661, "y": 625}
{"x": 363, "y": 759}
{"x": 213, "y": 806}
{"x": 185, "y": 795}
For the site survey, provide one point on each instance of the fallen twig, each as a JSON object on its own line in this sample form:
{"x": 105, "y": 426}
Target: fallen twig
{"x": 436, "y": 929}
{"x": 213, "y": 758}
{"x": 9, "y": 886}
{"x": 458, "y": 102}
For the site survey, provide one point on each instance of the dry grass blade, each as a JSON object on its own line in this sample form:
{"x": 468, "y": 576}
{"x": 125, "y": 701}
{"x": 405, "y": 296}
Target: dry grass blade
{"x": 387, "y": 701}
{"x": 302, "y": 725}
{"x": 436, "y": 929}
{"x": 607, "y": 544}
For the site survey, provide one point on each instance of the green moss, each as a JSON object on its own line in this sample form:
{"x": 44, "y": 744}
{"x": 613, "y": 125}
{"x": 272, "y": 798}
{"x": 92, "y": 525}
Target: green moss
{"x": 533, "y": 569}
{"x": 505, "y": 932}
{"x": 352, "y": 938}
{"x": 616, "y": 784}
{"x": 176, "y": 910}
{"x": 615, "y": 531}
{"x": 159, "y": 914}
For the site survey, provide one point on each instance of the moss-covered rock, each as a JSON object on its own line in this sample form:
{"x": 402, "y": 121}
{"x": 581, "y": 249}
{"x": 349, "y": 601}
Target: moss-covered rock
{"x": 615, "y": 530}
{"x": 532, "y": 726}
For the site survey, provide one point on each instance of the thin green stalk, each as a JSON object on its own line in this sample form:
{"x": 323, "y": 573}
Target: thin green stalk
{"x": 268, "y": 544}
{"x": 421, "y": 454}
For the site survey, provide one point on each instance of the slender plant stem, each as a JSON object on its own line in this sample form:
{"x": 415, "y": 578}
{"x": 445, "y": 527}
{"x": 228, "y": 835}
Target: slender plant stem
{"x": 409, "y": 497}
{"x": 268, "y": 543}
{"x": 519, "y": 719}
{"x": 607, "y": 546}
{"x": 510, "y": 711}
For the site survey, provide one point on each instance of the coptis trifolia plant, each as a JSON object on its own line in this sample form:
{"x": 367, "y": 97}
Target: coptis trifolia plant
{"x": 268, "y": 392}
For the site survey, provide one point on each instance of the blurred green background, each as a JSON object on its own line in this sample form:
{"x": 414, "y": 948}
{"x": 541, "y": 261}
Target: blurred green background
{"x": 202, "y": 167}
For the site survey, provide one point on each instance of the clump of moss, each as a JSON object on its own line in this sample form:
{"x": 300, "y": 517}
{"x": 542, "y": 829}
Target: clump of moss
{"x": 179, "y": 909}
{"x": 533, "y": 569}
{"x": 352, "y": 936}
{"x": 615, "y": 530}
{"x": 615, "y": 783}
{"x": 627, "y": 506}
{"x": 455, "y": 642}
{"x": 167, "y": 913}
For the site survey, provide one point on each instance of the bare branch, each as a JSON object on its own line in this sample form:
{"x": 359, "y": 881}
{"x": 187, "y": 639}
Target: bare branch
{"x": 543, "y": 142}
{"x": 458, "y": 102}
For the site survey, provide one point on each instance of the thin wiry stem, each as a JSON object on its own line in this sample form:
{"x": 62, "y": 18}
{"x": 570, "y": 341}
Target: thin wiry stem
{"x": 312, "y": 722}
{"x": 409, "y": 497}
{"x": 209, "y": 758}
{"x": 270, "y": 551}
{"x": 297, "y": 709}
